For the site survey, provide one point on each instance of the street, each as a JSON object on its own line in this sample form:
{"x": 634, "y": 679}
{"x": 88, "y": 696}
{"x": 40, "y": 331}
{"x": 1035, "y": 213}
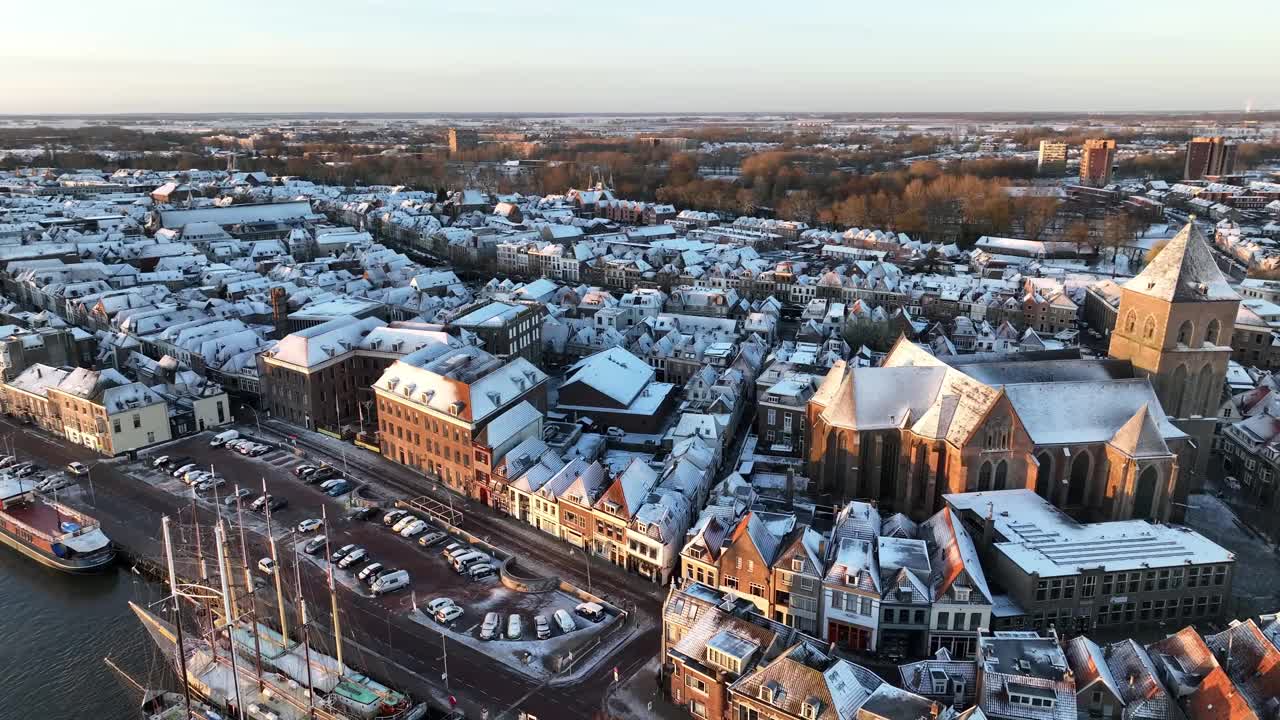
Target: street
{"x": 381, "y": 640}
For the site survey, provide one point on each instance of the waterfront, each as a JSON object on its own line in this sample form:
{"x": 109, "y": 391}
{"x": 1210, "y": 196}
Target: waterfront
{"x": 57, "y": 629}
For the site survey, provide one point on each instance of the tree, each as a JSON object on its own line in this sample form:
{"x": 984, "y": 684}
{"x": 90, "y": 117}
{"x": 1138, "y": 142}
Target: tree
{"x": 1036, "y": 215}
{"x": 1118, "y": 230}
{"x": 1077, "y": 233}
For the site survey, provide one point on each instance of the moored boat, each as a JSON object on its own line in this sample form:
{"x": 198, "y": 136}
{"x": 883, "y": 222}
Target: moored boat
{"x": 49, "y": 532}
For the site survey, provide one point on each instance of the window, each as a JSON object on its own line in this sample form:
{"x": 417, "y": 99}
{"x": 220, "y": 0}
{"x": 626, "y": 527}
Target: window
{"x": 731, "y": 582}
{"x": 697, "y": 709}
{"x": 151, "y": 437}
{"x": 115, "y": 424}
{"x": 1149, "y": 328}
{"x": 772, "y": 417}
{"x": 975, "y": 620}
{"x": 943, "y": 619}
{"x": 757, "y": 590}
{"x": 1089, "y": 587}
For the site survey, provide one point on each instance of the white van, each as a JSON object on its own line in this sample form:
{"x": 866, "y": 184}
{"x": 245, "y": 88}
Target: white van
{"x": 223, "y": 437}
{"x": 462, "y": 562}
{"x": 565, "y": 622}
{"x": 515, "y": 627}
{"x": 591, "y": 611}
{"x": 391, "y": 581}
{"x": 452, "y": 553}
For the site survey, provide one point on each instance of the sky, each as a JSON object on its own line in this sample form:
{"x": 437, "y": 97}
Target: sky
{"x": 94, "y": 56}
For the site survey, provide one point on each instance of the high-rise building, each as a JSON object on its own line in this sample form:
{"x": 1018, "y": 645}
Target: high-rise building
{"x": 1096, "y": 159}
{"x": 1053, "y": 158}
{"x": 1209, "y": 156}
{"x": 462, "y": 139}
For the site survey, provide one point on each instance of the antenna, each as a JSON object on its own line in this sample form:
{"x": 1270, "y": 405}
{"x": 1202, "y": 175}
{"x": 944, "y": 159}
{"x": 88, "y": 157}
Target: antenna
{"x": 275, "y": 573}
{"x": 228, "y": 619}
{"x": 333, "y": 595}
{"x": 253, "y": 598}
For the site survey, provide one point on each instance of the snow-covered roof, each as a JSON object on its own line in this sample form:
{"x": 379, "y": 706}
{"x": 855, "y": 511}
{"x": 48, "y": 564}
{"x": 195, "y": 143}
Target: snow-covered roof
{"x": 1184, "y": 270}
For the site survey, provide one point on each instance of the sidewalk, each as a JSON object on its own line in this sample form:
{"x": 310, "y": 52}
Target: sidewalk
{"x": 639, "y": 698}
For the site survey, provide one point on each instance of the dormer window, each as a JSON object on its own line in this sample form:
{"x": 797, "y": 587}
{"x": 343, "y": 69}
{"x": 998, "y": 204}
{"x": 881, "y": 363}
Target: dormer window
{"x": 961, "y": 592}
{"x": 797, "y": 564}
{"x": 810, "y": 707}
{"x": 772, "y": 692}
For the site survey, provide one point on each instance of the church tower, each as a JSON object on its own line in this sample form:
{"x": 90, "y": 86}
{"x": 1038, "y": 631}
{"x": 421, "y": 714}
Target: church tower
{"x": 1174, "y": 326}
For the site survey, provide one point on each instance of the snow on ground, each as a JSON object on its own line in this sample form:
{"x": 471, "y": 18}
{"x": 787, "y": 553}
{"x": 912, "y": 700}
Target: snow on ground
{"x": 527, "y": 654}
{"x": 617, "y": 460}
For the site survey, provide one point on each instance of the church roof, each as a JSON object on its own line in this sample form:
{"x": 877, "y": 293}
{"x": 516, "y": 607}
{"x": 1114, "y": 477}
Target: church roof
{"x": 1184, "y": 270}
{"x": 1139, "y": 437}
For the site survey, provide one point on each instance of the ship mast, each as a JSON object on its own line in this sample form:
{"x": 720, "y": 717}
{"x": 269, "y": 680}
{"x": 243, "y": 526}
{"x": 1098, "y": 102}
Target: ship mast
{"x": 229, "y": 620}
{"x": 275, "y": 560}
{"x": 333, "y": 594}
{"x": 195, "y": 523}
{"x": 253, "y": 598}
{"x": 306, "y": 636}
{"x": 177, "y": 615}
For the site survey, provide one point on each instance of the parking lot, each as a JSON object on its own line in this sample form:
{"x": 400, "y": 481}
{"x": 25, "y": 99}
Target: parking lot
{"x": 431, "y": 574}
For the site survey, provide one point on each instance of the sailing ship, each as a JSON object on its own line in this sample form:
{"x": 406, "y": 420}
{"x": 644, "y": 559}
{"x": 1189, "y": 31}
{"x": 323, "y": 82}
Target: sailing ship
{"x": 245, "y": 669}
{"x": 49, "y": 532}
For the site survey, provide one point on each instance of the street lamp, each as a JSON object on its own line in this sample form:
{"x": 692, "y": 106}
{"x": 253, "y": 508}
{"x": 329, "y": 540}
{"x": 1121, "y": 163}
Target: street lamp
{"x": 256, "y": 419}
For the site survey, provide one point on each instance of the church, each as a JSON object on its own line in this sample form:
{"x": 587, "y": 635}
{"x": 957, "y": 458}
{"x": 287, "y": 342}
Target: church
{"x": 1121, "y": 437}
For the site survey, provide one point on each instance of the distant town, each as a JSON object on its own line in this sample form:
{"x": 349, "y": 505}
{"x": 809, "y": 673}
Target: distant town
{"x": 735, "y": 417}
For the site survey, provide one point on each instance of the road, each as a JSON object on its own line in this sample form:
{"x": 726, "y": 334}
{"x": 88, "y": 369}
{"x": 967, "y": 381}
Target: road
{"x": 392, "y": 647}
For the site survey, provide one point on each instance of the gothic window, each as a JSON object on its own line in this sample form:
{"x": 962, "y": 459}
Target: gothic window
{"x": 1149, "y": 328}
{"x": 1079, "y": 479}
{"x": 1145, "y": 495}
{"x": 984, "y": 476}
{"x": 1131, "y": 322}
{"x": 1207, "y": 397}
{"x": 1002, "y": 475}
{"x": 1177, "y": 390}
{"x": 1186, "y": 331}
{"x": 1044, "y": 475}
{"x": 1211, "y": 332}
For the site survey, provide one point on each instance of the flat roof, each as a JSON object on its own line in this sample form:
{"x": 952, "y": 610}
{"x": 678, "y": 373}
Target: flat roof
{"x": 1039, "y": 538}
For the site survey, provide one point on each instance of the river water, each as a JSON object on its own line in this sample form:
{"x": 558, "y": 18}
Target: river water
{"x": 56, "y": 630}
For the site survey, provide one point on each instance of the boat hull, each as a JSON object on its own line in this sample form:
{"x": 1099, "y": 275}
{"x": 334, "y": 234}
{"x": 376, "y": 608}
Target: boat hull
{"x": 97, "y": 562}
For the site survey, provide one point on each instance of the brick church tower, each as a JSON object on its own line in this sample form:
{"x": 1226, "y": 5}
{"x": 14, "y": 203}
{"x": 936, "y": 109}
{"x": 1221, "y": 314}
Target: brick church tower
{"x": 1174, "y": 326}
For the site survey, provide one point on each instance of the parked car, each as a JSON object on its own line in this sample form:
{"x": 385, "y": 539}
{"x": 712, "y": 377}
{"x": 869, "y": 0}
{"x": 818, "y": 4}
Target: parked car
{"x": 185, "y": 469}
{"x": 234, "y": 445}
{"x": 393, "y": 517}
{"x": 616, "y": 433}
{"x": 25, "y": 469}
{"x": 591, "y": 611}
{"x": 448, "y": 614}
{"x": 353, "y": 557}
{"x": 432, "y": 538}
{"x": 438, "y": 603}
{"x": 367, "y": 571}
{"x": 267, "y": 566}
{"x": 541, "y": 627}
{"x": 363, "y": 513}
{"x": 276, "y": 503}
{"x": 329, "y": 483}
{"x": 480, "y": 571}
{"x": 339, "y": 489}
{"x": 208, "y": 483}
{"x": 393, "y": 580}
{"x": 237, "y": 496}
{"x": 466, "y": 560}
{"x": 259, "y": 450}
{"x": 451, "y": 548}
{"x": 310, "y": 524}
{"x": 403, "y": 523}
{"x": 260, "y": 503}
{"x": 490, "y": 625}
{"x": 565, "y": 622}
{"x": 77, "y": 468}
{"x": 176, "y": 461}
{"x": 194, "y": 476}
{"x": 342, "y": 552}
{"x": 7, "y": 460}
{"x": 324, "y": 472}
{"x": 157, "y": 462}
{"x": 413, "y": 529}
{"x": 303, "y": 469}
{"x": 314, "y": 546}
{"x": 515, "y": 627}
{"x": 222, "y": 437}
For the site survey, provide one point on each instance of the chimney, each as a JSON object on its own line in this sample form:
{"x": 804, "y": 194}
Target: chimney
{"x": 988, "y": 527}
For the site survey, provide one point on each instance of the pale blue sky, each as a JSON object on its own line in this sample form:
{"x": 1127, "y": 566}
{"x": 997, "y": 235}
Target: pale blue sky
{"x": 73, "y": 56}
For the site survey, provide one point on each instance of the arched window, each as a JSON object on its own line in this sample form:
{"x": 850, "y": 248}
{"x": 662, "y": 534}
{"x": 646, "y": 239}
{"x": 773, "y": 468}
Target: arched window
{"x": 1144, "y": 498}
{"x": 1149, "y": 328}
{"x": 1131, "y": 322}
{"x": 1002, "y": 475}
{"x": 1186, "y": 331}
{"x": 1044, "y": 475}
{"x": 1211, "y": 332}
{"x": 1079, "y": 480}
{"x": 1208, "y": 394}
{"x": 1177, "y": 390}
{"x": 984, "y": 476}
